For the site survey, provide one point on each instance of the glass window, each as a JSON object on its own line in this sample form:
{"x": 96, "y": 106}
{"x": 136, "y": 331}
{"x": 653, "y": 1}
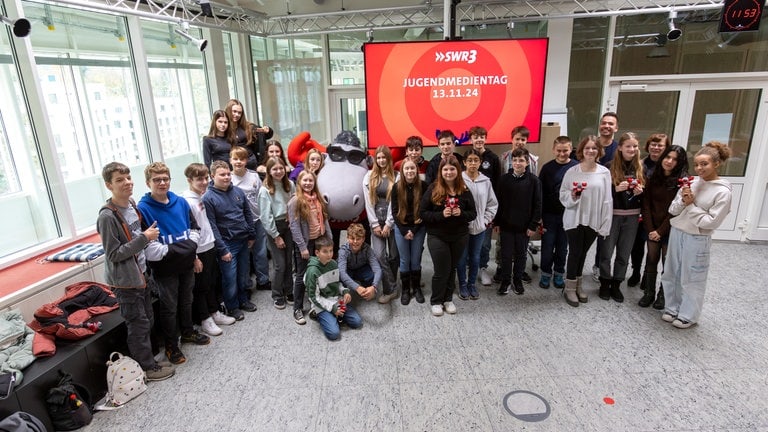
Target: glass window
{"x": 87, "y": 55}
{"x": 179, "y": 91}
{"x": 585, "y": 77}
{"x": 23, "y": 188}
{"x": 291, "y": 92}
{"x": 641, "y": 46}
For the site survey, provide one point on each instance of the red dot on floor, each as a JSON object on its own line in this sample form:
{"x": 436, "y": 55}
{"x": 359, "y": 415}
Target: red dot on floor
{"x": 608, "y": 400}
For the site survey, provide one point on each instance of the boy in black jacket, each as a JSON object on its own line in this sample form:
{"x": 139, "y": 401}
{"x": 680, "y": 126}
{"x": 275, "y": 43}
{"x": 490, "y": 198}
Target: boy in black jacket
{"x": 519, "y": 196}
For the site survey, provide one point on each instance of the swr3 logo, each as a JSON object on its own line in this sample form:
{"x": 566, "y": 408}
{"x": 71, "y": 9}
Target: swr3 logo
{"x": 468, "y": 57}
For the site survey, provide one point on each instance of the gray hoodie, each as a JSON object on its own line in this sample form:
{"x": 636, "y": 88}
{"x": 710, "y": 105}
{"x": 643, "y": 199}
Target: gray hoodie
{"x": 711, "y": 205}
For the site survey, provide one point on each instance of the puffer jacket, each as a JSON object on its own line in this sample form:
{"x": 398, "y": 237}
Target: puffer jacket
{"x": 15, "y": 343}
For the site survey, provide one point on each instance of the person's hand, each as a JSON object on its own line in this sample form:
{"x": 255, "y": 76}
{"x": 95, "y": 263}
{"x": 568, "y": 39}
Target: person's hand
{"x": 529, "y": 232}
{"x": 339, "y": 313}
{"x": 197, "y": 267}
{"x": 654, "y": 236}
{"x": 688, "y": 197}
{"x": 305, "y": 254}
{"x": 152, "y": 233}
{"x": 227, "y": 257}
{"x": 447, "y": 212}
{"x": 417, "y": 221}
{"x": 456, "y": 211}
{"x": 385, "y": 231}
{"x": 366, "y": 293}
{"x": 638, "y": 189}
{"x": 574, "y": 195}
{"x": 347, "y": 298}
{"x": 377, "y": 231}
{"x": 279, "y": 242}
{"x": 621, "y": 187}
{"x": 251, "y": 243}
{"x": 408, "y": 235}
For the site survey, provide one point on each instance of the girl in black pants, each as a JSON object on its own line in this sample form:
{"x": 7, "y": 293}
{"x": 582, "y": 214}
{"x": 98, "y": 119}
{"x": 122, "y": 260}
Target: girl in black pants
{"x": 447, "y": 207}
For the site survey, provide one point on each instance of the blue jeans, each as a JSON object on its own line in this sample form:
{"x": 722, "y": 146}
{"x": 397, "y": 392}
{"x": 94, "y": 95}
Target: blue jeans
{"x": 471, "y": 257}
{"x": 329, "y": 323}
{"x": 234, "y": 274}
{"x": 259, "y": 258}
{"x": 485, "y": 251}
{"x": 554, "y": 245}
{"x": 363, "y": 275}
{"x": 410, "y": 250}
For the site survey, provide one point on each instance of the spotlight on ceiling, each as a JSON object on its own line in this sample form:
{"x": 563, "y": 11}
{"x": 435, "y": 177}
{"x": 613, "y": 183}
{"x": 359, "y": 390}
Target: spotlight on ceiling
{"x": 21, "y": 27}
{"x": 184, "y": 32}
{"x": 674, "y": 33}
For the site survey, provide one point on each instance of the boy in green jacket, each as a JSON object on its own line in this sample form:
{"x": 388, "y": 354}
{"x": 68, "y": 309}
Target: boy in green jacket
{"x": 329, "y": 298}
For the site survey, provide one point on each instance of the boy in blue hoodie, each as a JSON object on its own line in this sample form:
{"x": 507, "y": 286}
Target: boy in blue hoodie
{"x": 229, "y": 213}
{"x": 171, "y": 258}
{"x": 329, "y": 298}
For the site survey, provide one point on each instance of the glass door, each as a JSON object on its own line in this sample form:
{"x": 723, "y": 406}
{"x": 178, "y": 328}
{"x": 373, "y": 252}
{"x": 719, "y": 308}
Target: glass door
{"x": 694, "y": 113}
{"x": 348, "y": 112}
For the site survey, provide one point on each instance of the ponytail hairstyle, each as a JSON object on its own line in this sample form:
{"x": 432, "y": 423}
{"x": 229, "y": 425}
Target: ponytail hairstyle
{"x": 402, "y": 193}
{"x": 621, "y": 168}
{"x": 719, "y": 152}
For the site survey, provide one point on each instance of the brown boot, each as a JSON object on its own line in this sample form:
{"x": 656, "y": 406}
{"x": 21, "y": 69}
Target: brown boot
{"x": 579, "y": 293}
{"x": 570, "y": 293}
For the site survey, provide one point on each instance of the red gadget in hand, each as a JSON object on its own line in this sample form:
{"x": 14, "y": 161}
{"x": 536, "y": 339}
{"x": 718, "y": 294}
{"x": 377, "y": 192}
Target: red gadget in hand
{"x": 579, "y": 187}
{"x": 685, "y": 181}
{"x": 451, "y": 202}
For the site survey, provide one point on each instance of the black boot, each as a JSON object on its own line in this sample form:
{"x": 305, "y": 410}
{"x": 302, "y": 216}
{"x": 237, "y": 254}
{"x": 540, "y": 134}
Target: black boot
{"x": 634, "y": 279}
{"x": 405, "y": 281}
{"x": 616, "y": 291}
{"x": 649, "y": 290}
{"x": 416, "y": 285}
{"x": 659, "y": 303}
{"x": 605, "y": 289}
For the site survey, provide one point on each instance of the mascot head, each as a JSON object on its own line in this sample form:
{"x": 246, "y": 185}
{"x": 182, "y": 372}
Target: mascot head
{"x": 341, "y": 179}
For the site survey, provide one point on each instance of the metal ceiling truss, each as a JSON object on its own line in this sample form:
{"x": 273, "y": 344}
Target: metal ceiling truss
{"x": 473, "y": 12}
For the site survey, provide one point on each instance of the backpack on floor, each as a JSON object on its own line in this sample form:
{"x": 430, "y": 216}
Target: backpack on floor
{"x": 69, "y": 404}
{"x": 125, "y": 380}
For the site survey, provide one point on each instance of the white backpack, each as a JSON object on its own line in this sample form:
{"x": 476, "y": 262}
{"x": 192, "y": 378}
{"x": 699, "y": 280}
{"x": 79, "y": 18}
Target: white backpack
{"x": 125, "y": 380}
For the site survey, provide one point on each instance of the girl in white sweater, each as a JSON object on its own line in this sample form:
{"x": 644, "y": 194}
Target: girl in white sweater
{"x": 698, "y": 210}
{"x": 586, "y": 195}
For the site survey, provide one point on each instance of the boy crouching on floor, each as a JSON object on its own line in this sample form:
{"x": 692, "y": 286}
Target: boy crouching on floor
{"x": 329, "y": 299}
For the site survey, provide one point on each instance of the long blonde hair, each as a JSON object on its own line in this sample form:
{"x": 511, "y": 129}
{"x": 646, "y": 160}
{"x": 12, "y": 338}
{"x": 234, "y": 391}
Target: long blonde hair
{"x": 303, "y": 211}
{"x": 378, "y": 173}
{"x": 618, "y": 165}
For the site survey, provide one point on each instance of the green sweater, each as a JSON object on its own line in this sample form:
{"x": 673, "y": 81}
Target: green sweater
{"x": 323, "y": 287}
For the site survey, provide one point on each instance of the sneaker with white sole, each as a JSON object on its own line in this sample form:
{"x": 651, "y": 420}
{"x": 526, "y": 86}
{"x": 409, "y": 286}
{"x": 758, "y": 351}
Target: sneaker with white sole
{"x": 682, "y": 324}
{"x": 668, "y": 317}
{"x": 485, "y": 278}
{"x": 596, "y": 274}
{"x": 221, "y": 319}
{"x": 450, "y": 307}
{"x": 437, "y": 310}
{"x": 298, "y": 317}
{"x": 209, "y": 326}
{"x": 159, "y": 373}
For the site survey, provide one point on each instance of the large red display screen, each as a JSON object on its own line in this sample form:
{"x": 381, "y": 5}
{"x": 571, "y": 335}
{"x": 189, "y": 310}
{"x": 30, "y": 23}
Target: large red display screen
{"x": 415, "y": 88}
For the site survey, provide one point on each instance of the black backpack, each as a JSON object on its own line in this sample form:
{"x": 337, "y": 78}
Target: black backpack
{"x": 69, "y": 404}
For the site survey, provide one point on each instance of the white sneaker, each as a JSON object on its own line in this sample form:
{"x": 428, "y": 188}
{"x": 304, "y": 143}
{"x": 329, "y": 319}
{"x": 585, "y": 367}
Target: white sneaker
{"x": 210, "y": 327}
{"x": 221, "y": 319}
{"x": 450, "y": 307}
{"x": 485, "y": 278}
{"x": 437, "y": 310}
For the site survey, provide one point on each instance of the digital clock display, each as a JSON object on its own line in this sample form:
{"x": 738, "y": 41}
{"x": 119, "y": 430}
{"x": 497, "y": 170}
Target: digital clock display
{"x": 741, "y": 15}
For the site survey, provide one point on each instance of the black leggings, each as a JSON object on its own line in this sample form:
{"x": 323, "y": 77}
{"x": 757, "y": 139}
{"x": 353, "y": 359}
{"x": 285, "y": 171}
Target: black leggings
{"x": 580, "y": 239}
{"x": 657, "y": 250}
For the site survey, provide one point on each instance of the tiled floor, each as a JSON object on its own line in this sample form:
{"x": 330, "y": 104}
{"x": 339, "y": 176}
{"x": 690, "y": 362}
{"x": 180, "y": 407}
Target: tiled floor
{"x": 408, "y": 371}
